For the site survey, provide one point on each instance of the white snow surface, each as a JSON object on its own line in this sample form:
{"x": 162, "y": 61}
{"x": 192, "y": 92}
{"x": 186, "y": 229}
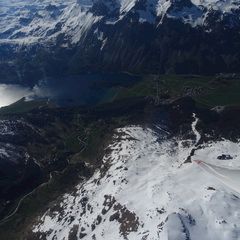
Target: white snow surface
{"x": 229, "y": 176}
{"x": 146, "y": 192}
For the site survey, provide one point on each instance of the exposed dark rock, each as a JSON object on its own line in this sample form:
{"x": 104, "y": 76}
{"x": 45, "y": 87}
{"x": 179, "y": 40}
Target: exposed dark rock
{"x": 225, "y": 157}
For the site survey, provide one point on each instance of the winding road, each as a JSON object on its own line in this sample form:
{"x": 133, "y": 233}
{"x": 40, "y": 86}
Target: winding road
{"x": 7, "y": 218}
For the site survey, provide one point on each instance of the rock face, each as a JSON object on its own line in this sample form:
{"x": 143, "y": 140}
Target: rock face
{"x": 179, "y": 36}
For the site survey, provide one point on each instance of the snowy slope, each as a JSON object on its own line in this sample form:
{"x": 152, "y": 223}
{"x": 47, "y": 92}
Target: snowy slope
{"x": 144, "y": 191}
{"x": 21, "y": 22}
{"x": 229, "y": 176}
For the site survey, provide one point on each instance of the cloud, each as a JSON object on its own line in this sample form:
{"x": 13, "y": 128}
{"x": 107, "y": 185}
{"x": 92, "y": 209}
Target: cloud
{"x": 10, "y": 93}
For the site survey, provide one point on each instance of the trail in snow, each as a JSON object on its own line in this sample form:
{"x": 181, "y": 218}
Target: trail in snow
{"x": 228, "y": 176}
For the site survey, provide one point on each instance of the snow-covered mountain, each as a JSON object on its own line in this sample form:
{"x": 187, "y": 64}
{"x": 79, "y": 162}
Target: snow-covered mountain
{"x": 27, "y": 22}
{"x": 46, "y": 38}
{"x": 146, "y": 189}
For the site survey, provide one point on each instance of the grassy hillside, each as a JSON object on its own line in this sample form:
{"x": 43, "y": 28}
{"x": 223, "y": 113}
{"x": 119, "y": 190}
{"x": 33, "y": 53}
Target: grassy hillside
{"x": 208, "y": 91}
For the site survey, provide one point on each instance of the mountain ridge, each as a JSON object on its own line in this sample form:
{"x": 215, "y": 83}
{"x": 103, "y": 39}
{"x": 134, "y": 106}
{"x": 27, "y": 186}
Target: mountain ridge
{"x": 175, "y": 36}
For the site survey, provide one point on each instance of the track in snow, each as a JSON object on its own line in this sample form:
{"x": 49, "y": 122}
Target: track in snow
{"x": 228, "y": 176}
